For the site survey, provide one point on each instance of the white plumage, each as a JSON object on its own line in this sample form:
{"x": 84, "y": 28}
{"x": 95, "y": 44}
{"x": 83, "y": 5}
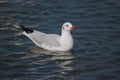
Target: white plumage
{"x": 63, "y": 42}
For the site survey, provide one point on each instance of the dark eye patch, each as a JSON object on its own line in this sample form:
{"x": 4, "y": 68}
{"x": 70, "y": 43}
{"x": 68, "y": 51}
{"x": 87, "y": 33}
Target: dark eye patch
{"x": 63, "y": 28}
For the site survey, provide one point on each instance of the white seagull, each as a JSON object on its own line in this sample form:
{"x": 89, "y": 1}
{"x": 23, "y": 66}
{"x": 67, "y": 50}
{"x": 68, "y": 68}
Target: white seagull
{"x": 63, "y": 42}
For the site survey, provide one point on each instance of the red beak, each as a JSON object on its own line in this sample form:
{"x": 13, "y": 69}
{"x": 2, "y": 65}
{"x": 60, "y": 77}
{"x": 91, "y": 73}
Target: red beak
{"x": 73, "y": 28}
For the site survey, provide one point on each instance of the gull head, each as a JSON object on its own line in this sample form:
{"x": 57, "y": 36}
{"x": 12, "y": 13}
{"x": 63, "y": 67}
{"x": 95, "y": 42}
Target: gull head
{"x": 68, "y": 26}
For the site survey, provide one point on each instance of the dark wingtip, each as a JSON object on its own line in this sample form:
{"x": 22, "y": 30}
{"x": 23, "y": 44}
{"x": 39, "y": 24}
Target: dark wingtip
{"x": 27, "y": 30}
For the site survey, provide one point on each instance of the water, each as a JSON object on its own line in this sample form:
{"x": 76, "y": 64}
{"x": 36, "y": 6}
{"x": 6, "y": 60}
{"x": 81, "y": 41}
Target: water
{"x": 96, "y": 51}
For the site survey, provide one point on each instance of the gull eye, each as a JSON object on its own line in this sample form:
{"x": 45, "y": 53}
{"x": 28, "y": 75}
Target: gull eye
{"x": 66, "y": 25}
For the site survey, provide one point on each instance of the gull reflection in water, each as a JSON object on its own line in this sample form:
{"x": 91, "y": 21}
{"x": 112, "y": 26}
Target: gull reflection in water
{"x": 62, "y": 59}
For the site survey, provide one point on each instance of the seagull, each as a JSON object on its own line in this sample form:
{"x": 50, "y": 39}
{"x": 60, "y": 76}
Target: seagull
{"x": 54, "y": 42}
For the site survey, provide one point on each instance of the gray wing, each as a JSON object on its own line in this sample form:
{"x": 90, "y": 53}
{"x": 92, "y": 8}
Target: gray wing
{"x": 47, "y": 39}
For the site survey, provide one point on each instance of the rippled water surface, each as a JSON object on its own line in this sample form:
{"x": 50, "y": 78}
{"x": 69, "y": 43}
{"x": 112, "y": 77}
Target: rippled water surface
{"x": 96, "y": 51}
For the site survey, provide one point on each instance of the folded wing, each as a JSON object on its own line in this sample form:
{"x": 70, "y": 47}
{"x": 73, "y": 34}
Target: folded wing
{"x": 45, "y": 39}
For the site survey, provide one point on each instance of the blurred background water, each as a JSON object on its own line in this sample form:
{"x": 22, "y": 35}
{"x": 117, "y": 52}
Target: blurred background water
{"x": 96, "y": 51}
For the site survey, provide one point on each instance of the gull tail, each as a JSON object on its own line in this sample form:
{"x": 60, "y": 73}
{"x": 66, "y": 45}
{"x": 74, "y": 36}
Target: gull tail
{"x": 27, "y": 30}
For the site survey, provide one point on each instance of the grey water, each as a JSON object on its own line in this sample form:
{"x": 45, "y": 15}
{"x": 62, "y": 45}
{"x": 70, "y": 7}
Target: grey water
{"x": 96, "y": 51}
